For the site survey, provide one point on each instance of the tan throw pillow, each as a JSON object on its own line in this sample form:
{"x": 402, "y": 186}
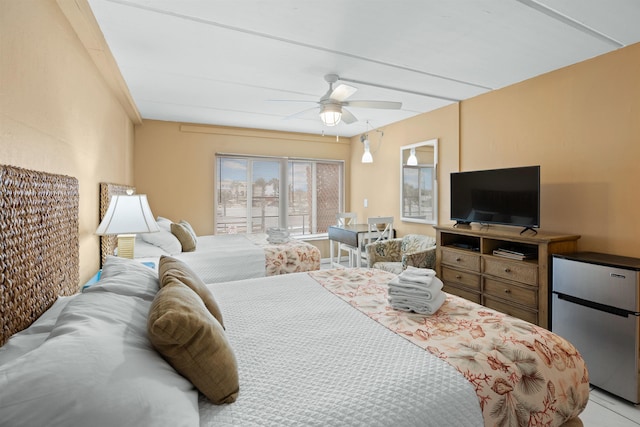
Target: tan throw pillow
{"x": 190, "y": 229}
{"x": 184, "y": 332}
{"x": 185, "y": 237}
{"x": 169, "y": 267}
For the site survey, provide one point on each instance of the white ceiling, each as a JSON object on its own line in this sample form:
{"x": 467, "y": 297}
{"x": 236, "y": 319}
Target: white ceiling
{"x": 226, "y": 62}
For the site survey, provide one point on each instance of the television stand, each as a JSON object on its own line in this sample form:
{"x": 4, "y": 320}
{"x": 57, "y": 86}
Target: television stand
{"x": 529, "y": 228}
{"x": 469, "y": 262}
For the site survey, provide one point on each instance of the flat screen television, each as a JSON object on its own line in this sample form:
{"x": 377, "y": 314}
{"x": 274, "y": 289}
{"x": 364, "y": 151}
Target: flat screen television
{"x": 509, "y": 196}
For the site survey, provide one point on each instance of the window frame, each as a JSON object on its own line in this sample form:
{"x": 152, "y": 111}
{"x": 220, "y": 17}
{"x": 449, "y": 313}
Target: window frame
{"x": 283, "y": 188}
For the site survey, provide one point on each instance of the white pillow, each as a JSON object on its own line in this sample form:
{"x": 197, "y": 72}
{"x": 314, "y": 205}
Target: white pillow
{"x": 97, "y": 368}
{"x": 143, "y": 249}
{"x": 165, "y": 240}
{"x": 164, "y": 223}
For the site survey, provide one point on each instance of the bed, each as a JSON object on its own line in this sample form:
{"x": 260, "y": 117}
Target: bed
{"x": 310, "y": 348}
{"x": 216, "y": 258}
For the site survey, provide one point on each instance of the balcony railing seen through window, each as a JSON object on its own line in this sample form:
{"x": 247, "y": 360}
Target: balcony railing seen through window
{"x": 253, "y": 192}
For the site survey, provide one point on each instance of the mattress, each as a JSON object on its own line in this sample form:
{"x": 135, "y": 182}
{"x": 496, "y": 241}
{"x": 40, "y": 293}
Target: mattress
{"x": 318, "y": 348}
{"x": 223, "y": 258}
{"x": 306, "y": 358}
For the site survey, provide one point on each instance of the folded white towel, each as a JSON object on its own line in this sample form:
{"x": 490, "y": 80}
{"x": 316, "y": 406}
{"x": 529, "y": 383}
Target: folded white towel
{"x": 425, "y": 294}
{"x": 417, "y": 275}
{"x": 409, "y": 278}
{"x": 419, "y": 271}
{"x": 422, "y": 282}
{"x": 277, "y": 240}
{"x": 277, "y": 235}
{"x": 413, "y": 300}
{"x": 431, "y": 283}
{"x": 422, "y": 307}
{"x": 398, "y": 288}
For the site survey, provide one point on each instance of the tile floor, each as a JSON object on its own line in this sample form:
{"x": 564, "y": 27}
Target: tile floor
{"x": 603, "y": 410}
{"x": 607, "y": 410}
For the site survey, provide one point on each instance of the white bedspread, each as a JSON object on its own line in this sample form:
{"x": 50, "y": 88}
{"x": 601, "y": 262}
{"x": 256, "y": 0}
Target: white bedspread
{"x": 223, "y": 258}
{"x": 366, "y": 376}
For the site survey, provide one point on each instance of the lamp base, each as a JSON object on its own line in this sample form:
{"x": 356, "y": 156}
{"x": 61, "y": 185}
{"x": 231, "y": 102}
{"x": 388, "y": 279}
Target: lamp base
{"x": 125, "y": 245}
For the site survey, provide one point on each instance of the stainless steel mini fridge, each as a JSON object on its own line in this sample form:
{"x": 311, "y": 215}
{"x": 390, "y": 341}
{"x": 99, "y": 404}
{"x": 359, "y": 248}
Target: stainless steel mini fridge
{"x": 596, "y": 307}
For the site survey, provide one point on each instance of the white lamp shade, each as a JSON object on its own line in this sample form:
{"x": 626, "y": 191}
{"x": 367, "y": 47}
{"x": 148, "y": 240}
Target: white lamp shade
{"x": 331, "y": 114}
{"x": 366, "y": 156}
{"x": 128, "y": 215}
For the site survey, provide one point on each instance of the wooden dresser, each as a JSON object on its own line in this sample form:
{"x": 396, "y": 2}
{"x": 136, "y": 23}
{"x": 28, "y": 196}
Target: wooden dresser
{"x": 518, "y": 286}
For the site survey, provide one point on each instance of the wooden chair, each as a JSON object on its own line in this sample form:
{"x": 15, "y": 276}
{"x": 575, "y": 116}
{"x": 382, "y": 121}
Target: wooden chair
{"x": 342, "y": 219}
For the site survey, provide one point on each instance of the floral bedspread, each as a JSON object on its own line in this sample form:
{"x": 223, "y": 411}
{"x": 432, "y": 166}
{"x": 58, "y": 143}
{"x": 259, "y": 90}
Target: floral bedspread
{"x": 292, "y": 256}
{"x": 523, "y": 375}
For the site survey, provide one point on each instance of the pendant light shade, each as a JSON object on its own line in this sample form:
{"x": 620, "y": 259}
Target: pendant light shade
{"x": 366, "y": 156}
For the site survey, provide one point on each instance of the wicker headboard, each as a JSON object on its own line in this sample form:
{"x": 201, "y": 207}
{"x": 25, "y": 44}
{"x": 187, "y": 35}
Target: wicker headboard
{"x": 39, "y": 245}
{"x": 108, "y": 244}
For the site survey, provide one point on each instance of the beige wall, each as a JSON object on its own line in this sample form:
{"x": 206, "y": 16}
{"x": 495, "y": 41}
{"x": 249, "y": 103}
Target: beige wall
{"x": 581, "y": 124}
{"x": 56, "y": 112}
{"x": 379, "y": 182}
{"x": 175, "y": 163}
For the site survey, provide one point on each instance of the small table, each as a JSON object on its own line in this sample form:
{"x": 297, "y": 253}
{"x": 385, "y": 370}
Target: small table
{"x": 350, "y": 235}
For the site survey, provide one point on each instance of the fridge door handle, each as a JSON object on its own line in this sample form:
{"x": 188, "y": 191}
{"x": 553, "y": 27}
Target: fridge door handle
{"x": 596, "y": 306}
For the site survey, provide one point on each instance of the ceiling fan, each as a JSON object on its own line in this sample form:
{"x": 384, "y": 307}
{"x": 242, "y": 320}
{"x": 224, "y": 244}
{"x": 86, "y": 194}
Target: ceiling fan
{"x": 332, "y": 103}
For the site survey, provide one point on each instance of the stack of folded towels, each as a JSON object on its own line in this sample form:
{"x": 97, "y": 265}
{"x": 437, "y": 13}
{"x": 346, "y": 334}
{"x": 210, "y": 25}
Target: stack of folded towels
{"x": 418, "y": 290}
{"x": 277, "y": 235}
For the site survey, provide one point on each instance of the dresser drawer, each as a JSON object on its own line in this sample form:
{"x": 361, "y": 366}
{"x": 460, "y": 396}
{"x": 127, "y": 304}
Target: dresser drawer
{"x": 471, "y": 296}
{"x": 518, "y": 271}
{"x": 509, "y": 291}
{"x": 466, "y": 279}
{"x": 511, "y": 310}
{"x": 462, "y": 259}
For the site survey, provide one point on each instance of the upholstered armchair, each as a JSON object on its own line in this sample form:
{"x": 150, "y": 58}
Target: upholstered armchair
{"x": 394, "y": 255}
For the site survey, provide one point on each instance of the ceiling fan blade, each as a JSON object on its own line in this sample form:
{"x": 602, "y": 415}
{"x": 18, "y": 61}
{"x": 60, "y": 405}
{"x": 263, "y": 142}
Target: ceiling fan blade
{"x": 348, "y": 117}
{"x": 291, "y": 100}
{"x": 342, "y": 92}
{"x": 299, "y": 113}
{"x": 389, "y": 105}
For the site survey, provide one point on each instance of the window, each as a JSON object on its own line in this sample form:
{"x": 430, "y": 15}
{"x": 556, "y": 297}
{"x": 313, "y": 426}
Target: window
{"x": 253, "y": 191}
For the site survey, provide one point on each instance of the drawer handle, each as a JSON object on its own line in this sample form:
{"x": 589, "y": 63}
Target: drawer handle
{"x": 507, "y": 270}
{"x": 507, "y": 291}
{"x": 458, "y": 259}
{"x": 458, "y": 277}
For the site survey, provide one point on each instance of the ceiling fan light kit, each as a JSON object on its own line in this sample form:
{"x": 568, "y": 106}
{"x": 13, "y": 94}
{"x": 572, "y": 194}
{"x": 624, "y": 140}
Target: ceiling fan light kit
{"x": 330, "y": 114}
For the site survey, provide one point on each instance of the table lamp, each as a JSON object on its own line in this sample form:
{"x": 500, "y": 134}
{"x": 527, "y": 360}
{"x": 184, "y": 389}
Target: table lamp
{"x": 127, "y": 216}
